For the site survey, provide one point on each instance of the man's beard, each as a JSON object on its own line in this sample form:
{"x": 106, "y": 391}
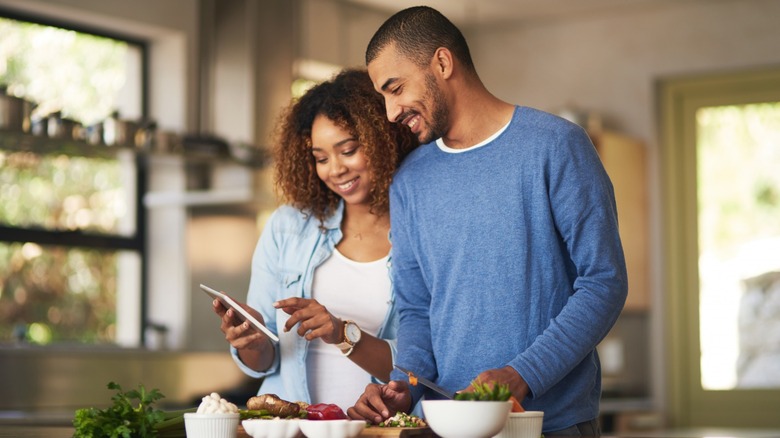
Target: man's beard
{"x": 440, "y": 114}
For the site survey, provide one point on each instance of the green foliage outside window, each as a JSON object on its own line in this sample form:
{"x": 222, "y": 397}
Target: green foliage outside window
{"x": 56, "y": 294}
{"x": 62, "y": 70}
{"x": 61, "y": 192}
{"x": 739, "y": 176}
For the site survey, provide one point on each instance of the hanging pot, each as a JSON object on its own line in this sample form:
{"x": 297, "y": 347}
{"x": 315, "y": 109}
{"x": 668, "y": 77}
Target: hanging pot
{"x": 11, "y": 112}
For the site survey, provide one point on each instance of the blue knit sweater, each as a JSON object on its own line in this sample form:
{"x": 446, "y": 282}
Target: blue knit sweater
{"x": 509, "y": 254}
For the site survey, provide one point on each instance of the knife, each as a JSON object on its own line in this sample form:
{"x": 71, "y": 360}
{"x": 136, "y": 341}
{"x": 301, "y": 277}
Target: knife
{"x": 426, "y": 382}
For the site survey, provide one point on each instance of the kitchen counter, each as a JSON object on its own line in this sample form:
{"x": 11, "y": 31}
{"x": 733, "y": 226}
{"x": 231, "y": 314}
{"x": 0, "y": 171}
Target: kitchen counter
{"x": 36, "y": 431}
{"x": 49, "y": 381}
{"x": 30, "y": 431}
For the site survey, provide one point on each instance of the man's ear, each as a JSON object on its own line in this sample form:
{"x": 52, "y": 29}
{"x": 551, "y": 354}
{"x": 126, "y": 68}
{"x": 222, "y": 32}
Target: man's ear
{"x": 442, "y": 62}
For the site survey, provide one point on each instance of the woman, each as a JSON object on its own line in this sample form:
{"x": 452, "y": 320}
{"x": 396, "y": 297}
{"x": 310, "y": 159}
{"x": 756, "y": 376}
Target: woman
{"x": 320, "y": 277}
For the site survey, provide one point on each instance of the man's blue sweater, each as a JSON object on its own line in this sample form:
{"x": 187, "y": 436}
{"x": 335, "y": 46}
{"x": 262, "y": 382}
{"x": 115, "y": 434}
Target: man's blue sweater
{"x": 508, "y": 253}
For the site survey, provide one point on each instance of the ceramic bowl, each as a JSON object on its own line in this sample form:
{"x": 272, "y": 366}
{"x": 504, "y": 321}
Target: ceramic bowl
{"x": 526, "y": 424}
{"x": 332, "y": 428}
{"x": 466, "y": 419}
{"x": 271, "y": 428}
{"x": 211, "y": 425}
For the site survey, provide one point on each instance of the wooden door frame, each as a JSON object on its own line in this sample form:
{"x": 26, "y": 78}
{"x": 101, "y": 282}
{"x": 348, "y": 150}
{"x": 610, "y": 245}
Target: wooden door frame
{"x": 688, "y": 405}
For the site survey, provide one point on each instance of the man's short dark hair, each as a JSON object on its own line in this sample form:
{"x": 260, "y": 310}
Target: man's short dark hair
{"x": 418, "y": 32}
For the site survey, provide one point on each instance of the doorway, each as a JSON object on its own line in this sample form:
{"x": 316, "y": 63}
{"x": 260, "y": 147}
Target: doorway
{"x": 720, "y": 161}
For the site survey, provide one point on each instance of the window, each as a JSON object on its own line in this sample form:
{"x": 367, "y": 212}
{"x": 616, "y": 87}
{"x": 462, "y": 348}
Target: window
{"x": 71, "y": 222}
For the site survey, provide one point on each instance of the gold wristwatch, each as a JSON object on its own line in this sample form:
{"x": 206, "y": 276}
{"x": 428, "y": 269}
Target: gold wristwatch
{"x": 352, "y": 336}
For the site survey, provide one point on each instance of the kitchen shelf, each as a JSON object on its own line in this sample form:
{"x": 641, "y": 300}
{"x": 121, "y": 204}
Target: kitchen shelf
{"x": 44, "y": 145}
{"x": 199, "y": 198}
{"x": 41, "y": 145}
{"x": 193, "y": 164}
{"x": 624, "y": 404}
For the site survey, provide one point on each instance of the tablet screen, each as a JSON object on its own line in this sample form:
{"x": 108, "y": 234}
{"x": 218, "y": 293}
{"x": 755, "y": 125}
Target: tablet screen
{"x": 231, "y": 304}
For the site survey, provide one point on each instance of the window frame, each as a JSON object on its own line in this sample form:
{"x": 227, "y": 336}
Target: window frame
{"x": 47, "y": 146}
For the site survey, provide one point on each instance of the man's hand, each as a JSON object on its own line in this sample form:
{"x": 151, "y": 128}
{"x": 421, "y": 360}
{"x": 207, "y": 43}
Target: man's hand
{"x": 507, "y": 376}
{"x": 380, "y": 402}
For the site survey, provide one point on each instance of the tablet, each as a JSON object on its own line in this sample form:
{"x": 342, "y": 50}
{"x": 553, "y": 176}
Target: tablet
{"x": 243, "y": 314}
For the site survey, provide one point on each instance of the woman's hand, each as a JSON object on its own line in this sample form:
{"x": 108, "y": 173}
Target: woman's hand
{"x": 237, "y": 332}
{"x": 313, "y": 318}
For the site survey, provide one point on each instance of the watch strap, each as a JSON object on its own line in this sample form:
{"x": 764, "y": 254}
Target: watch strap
{"x": 344, "y": 345}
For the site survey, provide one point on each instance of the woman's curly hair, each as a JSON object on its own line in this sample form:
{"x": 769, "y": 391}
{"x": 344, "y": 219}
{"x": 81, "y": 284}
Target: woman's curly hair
{"x": 350, "y": 101}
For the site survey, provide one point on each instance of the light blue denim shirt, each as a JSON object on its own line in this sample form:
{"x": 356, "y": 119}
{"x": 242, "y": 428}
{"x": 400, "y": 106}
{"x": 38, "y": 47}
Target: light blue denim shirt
{"x": 290, "y": 248}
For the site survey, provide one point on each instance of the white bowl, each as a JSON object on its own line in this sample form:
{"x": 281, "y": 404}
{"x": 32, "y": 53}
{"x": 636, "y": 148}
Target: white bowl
{"x": 526, "y": 424}
{"x": 271, "y": 428}
{"x": 211, "y": 425}
{"x": 332, "y": 428}
{"x": 466, "y": 419}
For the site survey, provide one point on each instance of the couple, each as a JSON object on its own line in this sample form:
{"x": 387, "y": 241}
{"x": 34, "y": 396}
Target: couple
{"x": 506, "y": 264}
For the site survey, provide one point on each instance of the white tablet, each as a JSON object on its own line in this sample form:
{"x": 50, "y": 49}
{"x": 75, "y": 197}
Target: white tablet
{"x": 243, "y": 314}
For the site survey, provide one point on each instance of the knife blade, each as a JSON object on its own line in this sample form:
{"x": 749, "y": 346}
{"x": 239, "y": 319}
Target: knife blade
{"x": 426, "y": 382}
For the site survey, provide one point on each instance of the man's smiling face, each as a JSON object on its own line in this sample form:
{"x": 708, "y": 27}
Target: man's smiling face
{"x": 412, "y": 94}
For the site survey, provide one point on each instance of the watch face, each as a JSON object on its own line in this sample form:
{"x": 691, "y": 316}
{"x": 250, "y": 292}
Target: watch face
{"x": 352, "y": 331}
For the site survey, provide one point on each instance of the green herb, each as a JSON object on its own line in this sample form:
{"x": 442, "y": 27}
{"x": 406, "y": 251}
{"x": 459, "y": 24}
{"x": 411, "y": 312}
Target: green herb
{"x": 246, "y": 414}
{"x": 172, "y": 426}
{"x": 484, "y": 392}
{"x": 402, "y": 419}
{"x": 124, "y": 418}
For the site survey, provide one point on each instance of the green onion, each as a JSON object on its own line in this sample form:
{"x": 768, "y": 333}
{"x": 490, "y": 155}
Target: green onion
{"x": 484, "y": 392}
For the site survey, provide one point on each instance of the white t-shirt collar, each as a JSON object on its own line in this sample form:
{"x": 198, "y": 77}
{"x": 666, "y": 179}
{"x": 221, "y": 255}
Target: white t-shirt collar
{"x": 445, "y": 148}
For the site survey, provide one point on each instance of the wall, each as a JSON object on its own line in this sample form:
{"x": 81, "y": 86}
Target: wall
{"x": 336, "y": 32}
{"x": 610, "y": 62}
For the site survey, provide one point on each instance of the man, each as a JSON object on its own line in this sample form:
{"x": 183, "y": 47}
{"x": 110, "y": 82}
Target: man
{"x": 506, "y": 255}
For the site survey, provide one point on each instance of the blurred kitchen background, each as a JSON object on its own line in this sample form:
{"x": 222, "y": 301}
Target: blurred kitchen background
{"x": 134, "y": 166}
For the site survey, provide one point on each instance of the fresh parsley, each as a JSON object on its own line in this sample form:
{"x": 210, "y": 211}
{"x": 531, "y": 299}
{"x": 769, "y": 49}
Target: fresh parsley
{"x": 132, "y": 415}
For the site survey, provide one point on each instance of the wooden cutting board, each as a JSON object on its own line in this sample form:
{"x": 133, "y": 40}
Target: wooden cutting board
{"x": 401, "y": 432}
